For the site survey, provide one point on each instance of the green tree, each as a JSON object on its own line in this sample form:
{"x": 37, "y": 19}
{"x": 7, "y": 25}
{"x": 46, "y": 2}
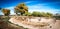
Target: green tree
{"x": 21, "y": 8}
{"x": 49, "y": 14}
{"x": 6, "y": 12}
{"x": 28, "y": 14}
{"x": 42, "y": 14}
{"x": 36, "y": 13}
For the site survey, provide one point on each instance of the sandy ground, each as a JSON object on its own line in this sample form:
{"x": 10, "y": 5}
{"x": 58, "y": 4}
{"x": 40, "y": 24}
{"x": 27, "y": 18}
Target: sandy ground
{"x": 55, "y": 26}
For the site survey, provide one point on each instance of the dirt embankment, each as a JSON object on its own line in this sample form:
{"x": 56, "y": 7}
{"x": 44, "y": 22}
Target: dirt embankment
{"x": 6, "y": 25}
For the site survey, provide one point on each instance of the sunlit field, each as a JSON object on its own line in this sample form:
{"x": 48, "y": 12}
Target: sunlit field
{"x": 5, "y": 23}
{"x": 29, "y": 14}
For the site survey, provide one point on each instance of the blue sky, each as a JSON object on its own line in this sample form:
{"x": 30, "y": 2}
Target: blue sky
{"x": 52, "y": 6}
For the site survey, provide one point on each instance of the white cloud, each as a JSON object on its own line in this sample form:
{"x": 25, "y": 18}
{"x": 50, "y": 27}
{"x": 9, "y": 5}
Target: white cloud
{"x": 29, "y": 2}
{"x": 11, "y": 10}
{"x": 42, "y": 8}
{"x": 1, "y": 12}
{"x": 37, "y": 7}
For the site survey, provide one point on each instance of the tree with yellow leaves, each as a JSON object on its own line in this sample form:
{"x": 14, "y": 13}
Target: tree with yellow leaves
{"x": 6, "y": 12}
{"x": 21, "y": 8}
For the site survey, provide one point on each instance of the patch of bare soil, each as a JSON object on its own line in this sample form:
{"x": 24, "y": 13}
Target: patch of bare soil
{"x": 5, "y": 25}
{"x": 12, "y": 26}
{"x": 57, "y": 25}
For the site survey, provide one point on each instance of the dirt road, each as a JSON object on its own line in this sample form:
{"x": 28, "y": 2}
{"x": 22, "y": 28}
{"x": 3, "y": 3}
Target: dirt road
{"x": 57, "y": 25}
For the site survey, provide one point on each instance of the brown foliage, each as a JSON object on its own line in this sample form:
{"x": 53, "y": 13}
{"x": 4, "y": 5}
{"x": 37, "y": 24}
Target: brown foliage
{"x": 6, "y": 11}
{"x": 22, "y": 8}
